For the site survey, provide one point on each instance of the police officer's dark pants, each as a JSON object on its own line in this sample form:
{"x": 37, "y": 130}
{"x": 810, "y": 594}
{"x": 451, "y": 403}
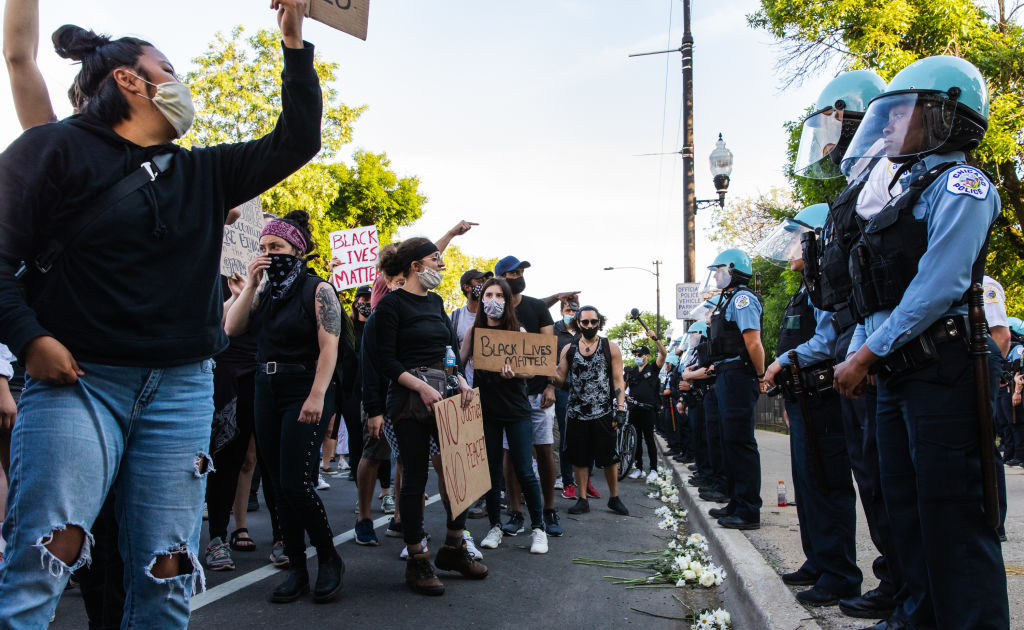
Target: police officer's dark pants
{"x": 1001, "y": 412}
{"x": 699, "y": 439}
{"x": 931, "y": 481}
{"x": 862, "y": 448}
{"x": 826, "y": 507}
{"x": 684, "y": 440}
{"x": 1017, "y": 428}
{"x": 716, "y": 453}
{"x": 737, "y": 393}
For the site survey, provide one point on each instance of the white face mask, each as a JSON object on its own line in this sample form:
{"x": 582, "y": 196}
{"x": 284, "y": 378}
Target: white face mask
{"x": 429, "y": 278}
{"x": 722, "y": 277}
{"x": 174, "y": 101}
{"x": 494, "y": 308}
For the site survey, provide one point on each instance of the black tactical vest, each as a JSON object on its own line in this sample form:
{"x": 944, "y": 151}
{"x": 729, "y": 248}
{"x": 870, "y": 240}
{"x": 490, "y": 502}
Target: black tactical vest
{"x": 884, "y": 260}
{"x": 798, "y": 323}
{"x": 724, "y": 337}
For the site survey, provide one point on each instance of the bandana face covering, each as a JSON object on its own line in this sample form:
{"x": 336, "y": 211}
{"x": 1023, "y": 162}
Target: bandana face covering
{"x": 477, "y": 291}
{"x": 494, "y": 308}
{"x": 283, "y": 270}
{"x": 363, "y": 308}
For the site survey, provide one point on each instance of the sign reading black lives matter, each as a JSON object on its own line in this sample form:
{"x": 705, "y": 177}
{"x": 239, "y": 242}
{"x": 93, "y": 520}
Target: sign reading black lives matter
{"x": 348, "y": 16}
{"x": 527, "y": 353}
{"x": 242, "y": 240}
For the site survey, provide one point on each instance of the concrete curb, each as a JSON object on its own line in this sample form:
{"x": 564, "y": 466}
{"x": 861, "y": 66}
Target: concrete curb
{"x": 753, "y": 592}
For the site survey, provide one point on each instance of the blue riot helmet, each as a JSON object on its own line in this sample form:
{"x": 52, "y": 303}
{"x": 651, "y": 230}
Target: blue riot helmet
{"x": 1016, "y": 325}
{"x": 783, "y": 244}
{"x": 935, "y": 105}
{"x": 730, "y": 267}
{"x": 698, "y": 327}
{"x": 827, "y": 131}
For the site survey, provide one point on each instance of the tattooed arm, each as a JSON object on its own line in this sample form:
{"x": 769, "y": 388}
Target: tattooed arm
{"x": 619, "y": 384}
{"x": 328, "y": 327}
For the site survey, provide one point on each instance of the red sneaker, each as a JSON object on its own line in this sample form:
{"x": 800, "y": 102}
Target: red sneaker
{"x": 592, "y": 491}
{"x": 569, "y": 492}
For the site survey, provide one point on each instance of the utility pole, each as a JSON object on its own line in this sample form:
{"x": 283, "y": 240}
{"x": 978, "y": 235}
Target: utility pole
{"x": 689, "y": 193}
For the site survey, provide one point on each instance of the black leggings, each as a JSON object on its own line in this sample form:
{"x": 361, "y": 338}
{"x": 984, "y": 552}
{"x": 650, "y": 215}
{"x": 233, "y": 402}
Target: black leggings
{"x": 290, "y": 452}
{"x": 414, "y": 449}
{"x": 643, "y": 420}
{"x": 349, "y": 409}
{"x": 222, "y": 483}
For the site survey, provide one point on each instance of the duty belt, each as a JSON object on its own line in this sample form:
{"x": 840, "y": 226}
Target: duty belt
{"x": 816, "y": 380}
{"x": 273, "y": 367}
{"x": 921, "y": 351}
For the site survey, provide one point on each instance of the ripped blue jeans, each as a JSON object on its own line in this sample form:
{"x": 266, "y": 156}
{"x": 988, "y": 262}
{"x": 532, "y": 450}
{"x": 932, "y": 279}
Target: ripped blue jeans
{"x": 142, "y": 432}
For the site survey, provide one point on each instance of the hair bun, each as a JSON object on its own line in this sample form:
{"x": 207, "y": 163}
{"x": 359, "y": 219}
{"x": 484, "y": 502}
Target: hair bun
{"x": 299, "y": 217}
{"x": 76, "y": 43}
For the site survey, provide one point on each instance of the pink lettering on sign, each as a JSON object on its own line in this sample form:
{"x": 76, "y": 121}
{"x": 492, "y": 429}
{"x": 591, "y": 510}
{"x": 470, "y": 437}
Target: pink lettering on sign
{"x": 354, "y": 255}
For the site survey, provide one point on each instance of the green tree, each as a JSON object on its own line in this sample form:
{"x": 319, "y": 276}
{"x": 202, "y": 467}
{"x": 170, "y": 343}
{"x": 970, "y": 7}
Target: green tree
{"x": 457, "y": 263}
{"x": 744, "y": 223}
{"x": 886, "y": 37}
{"x": 629, "y": 334}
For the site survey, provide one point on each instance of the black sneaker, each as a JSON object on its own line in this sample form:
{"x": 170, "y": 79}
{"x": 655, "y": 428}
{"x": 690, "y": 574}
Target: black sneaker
{"x": 801, "y": 577}
{"x": 615, "y": 505}
{"x": 582, "y": 506}
{"x": 551, "y": 524}
{"x": 395, "y": 529}
{"x": 516, "y": 524}
{"x": 365, "y": 534}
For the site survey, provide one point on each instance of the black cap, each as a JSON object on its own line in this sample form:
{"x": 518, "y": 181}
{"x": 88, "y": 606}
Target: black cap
{"x": 473, "y": 274}
{"x": 364, "y": 290}
{"x": 641, "y": 350}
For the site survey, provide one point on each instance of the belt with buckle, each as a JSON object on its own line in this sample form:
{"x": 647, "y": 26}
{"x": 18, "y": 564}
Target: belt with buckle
{"x": 273, "y": 367}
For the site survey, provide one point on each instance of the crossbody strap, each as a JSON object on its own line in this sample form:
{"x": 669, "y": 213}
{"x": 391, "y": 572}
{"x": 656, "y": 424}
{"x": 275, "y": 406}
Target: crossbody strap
{"x": 146, "y": 173}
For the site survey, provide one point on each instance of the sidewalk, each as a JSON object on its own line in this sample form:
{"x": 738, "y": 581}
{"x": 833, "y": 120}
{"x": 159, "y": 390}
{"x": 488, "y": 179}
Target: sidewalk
{"x": 778, "y": 540}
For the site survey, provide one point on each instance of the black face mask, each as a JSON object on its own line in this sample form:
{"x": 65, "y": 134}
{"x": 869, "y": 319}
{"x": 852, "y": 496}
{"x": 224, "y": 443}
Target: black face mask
{"x": 588, "y": 333}
{"x": 477, "y": 291}
{"x": 281, "y": 266}
{"x": 363, "y": 308}
{"x": 517, "y": 285}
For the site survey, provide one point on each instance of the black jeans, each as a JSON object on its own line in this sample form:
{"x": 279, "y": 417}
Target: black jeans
{"x": 414, "y": 449}
{"x": 290, "y": 451}
{"x": 349, "y": 409}
{"x": 643, "y": 420}
{"x": 222, "y": 483}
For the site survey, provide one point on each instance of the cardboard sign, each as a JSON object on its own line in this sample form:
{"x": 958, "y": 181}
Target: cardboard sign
{"x": 463, "y": 452}
{"x": 354, "y": 256}
{"x": 242, "y": 240}
{"x": 527, "y": 353}
{"x": 348, "y": 16}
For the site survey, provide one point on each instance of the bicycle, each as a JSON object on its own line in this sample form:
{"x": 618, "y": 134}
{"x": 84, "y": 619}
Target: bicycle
{"x": 625, "y": 443}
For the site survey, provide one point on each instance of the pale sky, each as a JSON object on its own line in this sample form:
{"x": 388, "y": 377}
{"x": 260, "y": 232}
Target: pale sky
{"x": 525, "y": 117}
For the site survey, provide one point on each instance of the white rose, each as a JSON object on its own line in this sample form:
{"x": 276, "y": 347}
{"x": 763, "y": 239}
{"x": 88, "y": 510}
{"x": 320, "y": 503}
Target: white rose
{"x": 689, "y": 575}
{"x": 707, "y": 580}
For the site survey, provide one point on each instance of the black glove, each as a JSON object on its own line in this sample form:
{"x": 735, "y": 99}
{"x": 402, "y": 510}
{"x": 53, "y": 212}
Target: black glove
{"x": 619, "y": 417}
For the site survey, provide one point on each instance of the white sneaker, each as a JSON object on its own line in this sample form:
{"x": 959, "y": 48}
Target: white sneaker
{"x": 343, "y": 464}
{"x": 321, "y": 484}
{"x": 558, "y": 484}
{"x": 471, "y": 545}
{"x": 651, "y": 476}
{"x": 405, "y": 550}
{"x": 540, "y": 542}
{"x": 493, "y": 538}
{"x": 636, "y": 474}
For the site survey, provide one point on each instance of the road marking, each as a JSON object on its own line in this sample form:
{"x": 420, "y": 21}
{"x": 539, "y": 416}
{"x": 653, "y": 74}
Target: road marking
{"x": 252, "y": 577}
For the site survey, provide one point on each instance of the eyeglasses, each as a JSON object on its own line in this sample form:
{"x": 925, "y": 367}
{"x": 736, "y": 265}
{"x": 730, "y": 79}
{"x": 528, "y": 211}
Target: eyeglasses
{"x": 590, "y": 322}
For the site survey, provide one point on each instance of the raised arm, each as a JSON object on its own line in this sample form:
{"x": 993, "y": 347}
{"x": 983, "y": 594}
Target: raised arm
{"x": 21, "y": 45}
{"x": 460, "y": 228}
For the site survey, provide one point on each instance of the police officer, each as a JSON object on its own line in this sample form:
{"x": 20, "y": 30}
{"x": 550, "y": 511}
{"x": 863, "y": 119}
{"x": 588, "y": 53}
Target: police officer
{"x": 694, "y": 383}
{"x": 821, "y": 467}
{"x": 826, "y": 135}
{"x": 911, "y": 267}
{"x": 736, "y": 350}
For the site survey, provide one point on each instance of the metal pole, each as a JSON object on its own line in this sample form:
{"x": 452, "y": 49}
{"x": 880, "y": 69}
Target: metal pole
{"x": 689, "y": 194}
{"x": 657, "y": 289}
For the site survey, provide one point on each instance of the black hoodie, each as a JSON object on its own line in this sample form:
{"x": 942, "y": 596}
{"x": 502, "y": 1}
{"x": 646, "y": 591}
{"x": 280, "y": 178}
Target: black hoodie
{"x": 140, "y": 286}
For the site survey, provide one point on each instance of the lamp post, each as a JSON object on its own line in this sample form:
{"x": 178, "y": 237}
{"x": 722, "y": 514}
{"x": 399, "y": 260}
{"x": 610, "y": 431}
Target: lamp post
{"x": 657, "y": 289}
{"x": 721, "y": 161}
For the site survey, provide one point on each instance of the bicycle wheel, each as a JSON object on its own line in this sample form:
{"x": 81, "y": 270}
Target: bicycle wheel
{"x": 627, "y": 449}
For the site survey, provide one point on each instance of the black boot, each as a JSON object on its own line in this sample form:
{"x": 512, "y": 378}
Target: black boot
{"x": 295, "y": 585}
{"x": 328, "y": 577}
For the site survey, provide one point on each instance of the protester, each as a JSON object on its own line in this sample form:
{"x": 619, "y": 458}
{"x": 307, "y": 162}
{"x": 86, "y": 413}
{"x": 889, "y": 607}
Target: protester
{"x": 68, "y": 322}
{"x": 565, "y": 331}
{"x": 413, "y": 333}
{"x": 506, "y": 411}
{"x": 644, "y": 389}
{"x": 472, "y": 285}
{"x": 594, "y": 365}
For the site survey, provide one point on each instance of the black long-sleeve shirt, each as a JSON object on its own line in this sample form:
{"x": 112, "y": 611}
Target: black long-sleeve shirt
{"x": 412, "y": 331}
{"x": 374, "y": 386}
{"x": 140, "y": 286}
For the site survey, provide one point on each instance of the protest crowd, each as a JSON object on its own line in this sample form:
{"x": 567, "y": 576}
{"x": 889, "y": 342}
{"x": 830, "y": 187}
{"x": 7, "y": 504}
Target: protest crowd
{"x": 180, "y": 405}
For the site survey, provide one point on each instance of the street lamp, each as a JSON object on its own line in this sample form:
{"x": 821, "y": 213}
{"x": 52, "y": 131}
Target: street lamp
{"x": 657, "y": 288}
{"x": 721, "y": 168}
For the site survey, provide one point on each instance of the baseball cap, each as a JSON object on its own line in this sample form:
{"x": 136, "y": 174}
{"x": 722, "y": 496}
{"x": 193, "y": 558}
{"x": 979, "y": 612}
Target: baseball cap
{"x": 509, "y": 263}
{"x": 473, "y": 274}
{"x": 642, "y": 350}
{"x": 364, "y": 290}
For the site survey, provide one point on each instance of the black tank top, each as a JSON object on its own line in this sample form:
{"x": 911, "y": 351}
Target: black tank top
{"x": 287, "y": 327}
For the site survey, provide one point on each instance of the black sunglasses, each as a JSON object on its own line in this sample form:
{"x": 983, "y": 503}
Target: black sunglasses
{"x": 590, "y": 322}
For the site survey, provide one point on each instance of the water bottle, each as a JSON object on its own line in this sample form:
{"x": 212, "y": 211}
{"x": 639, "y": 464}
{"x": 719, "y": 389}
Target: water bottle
{"x": 782, "y": 494}
{"x": 451, "y": 381}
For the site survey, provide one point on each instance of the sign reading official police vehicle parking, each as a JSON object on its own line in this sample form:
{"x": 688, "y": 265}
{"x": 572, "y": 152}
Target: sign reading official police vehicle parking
{"x": 687, "y": 298}
{"x": 348, "y": 16}
{"x": 460, "y": 433}
{"x": 527, "y": 353}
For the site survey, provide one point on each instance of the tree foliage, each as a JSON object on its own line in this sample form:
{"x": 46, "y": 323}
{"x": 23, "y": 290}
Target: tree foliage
{"x": 629, "y": 334}
{"x": 886, "y": 37}
{"x": 457, "y": 263}
{"x": 744, "y": 223}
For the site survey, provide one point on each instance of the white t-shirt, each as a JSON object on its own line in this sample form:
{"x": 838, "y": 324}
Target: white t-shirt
{"x": 995, "y": 302}
{"x": 462, "y": 321}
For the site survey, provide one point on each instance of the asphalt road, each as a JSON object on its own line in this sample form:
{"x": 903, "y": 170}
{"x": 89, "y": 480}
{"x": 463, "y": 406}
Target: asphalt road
{"x": 521, "y": 591}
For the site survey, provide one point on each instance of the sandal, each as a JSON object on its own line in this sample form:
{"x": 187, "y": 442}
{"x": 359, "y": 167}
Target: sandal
{"x": 238, "y": 543}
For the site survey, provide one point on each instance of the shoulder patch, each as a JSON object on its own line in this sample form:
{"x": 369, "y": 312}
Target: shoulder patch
{"x": 967, "y": 180}
{"x": 742, "y": 301}
{"x": 991, "y": 296}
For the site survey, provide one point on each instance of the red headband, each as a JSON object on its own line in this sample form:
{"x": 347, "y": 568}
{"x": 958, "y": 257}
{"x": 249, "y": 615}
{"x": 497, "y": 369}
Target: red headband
{"x": 287, "y": 231}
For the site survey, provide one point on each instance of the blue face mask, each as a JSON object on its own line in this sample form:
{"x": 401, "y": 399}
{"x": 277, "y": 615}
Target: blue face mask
{"x": 567, "y": 319}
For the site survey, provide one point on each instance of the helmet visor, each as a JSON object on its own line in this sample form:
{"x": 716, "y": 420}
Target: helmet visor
{"x": 820, "y": 138}
{"x": 899, "y": 126}
{"x": 783, "y": 245}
